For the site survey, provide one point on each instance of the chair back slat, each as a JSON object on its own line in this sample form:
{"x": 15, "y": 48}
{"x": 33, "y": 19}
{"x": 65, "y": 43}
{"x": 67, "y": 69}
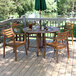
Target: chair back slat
{"x": 15, "y": 24}
{"x": 8, "y": 33}
{"x": 62, "y": 36}
{"x": 69, "y": 26}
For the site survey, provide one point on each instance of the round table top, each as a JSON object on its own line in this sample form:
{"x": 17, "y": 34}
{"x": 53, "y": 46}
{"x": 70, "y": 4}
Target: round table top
{"x": 37, "y": 30}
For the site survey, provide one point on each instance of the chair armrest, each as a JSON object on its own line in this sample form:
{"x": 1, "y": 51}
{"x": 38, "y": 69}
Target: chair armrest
{"x": 51, "y": 38}
{"x": 19, "y": 34}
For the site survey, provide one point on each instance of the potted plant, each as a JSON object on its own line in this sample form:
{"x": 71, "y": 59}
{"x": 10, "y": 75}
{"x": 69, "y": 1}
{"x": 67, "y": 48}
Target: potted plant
{"x": 44, "y": 24}
{"x": 17, "y": 27}
{"x": 30, "y": 24}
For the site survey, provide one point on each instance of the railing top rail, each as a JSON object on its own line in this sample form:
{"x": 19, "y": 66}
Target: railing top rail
{"x": 5, "y": 21}
{"x": 9, "y": 20}
{"x": 37, "y": 19}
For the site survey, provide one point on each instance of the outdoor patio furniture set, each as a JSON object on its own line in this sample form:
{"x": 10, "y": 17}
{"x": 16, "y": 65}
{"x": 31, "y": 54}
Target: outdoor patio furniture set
{"x": 59, "y": 41}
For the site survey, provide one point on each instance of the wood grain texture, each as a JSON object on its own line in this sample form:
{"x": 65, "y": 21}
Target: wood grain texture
{"x": 32, "y": 65}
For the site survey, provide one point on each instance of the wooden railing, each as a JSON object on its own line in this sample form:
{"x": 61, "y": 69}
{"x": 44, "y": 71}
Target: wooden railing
{"x": 56, "y": 22}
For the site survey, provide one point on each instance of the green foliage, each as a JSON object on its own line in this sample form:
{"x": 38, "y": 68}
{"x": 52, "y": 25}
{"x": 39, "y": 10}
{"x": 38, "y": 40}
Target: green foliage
{"x": 6, "y": 7}
{"x": 20, "y": 7}
{"x": 74, "y": 31}
{"x": 10, "y": 7}
{"x": 65, "y": 6}
{"x": 20, "y": 26}
{"x": 51, "y": 5}
{"x": 24, "y": 6}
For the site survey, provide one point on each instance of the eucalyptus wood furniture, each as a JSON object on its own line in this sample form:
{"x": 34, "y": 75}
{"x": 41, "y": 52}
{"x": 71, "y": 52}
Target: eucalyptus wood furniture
{"x": 38, "y": 33}
{"x": 58, "y": 44}
{"x": 69, "y": 27}
{"x": 20, "y": 36}
{"x": 16, "y": 26}
{"x": 8, "y": 33}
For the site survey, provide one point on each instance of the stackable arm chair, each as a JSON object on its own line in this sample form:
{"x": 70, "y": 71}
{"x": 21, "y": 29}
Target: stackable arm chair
{"x": 8, "y": 33}
{"x": 58, "y": 44}
{"x": 69, "y": 27}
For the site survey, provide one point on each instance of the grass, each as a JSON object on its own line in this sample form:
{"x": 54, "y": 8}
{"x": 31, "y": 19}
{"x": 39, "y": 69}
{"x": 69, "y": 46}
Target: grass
{"x": 74, "y": 31}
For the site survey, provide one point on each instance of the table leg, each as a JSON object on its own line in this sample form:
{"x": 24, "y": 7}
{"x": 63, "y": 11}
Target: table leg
{"x": 39, "y": 40}
{"x": 45, "y": 46}
{"x": 43, "y": 39}
{"x": 37, "y": 44}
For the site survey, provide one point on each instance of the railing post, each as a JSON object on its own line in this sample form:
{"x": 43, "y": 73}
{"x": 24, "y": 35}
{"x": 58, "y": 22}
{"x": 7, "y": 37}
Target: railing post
{"x": 59, "y": 16}
{"x": 24, "y": 20}
{"x": 11, "y": 17}
{"x": 24, "y": 23}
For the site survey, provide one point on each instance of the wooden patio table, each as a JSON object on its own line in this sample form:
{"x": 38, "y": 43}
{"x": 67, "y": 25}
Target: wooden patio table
{"x": 38, "y": 32}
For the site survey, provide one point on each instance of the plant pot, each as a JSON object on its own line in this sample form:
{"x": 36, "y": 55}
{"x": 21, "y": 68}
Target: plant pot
{"x": 30, "y": 26}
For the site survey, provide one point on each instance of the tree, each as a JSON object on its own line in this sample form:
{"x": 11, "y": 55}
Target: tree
{"x": 65, "y": 6}
{"x": 51, "y": 5}
{"x": 10, "y": 7}
{"x": 6, "y": 7}
{"x": 23, "y": 6}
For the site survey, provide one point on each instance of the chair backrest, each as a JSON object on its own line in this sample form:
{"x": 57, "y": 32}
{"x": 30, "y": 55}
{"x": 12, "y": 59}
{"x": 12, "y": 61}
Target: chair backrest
{"x": 62, "y": 36}
{"x": 69, "y": 26}
{"x": 8, "y": 33}
{"x": 15, "y": 24}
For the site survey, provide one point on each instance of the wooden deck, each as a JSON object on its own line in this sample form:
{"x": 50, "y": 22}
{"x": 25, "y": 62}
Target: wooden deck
{"x": 31, "y": 65}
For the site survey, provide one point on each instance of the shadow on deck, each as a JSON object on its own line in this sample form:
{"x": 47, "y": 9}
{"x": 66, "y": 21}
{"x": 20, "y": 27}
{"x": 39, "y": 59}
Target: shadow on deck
{"x": 31, "y": 65}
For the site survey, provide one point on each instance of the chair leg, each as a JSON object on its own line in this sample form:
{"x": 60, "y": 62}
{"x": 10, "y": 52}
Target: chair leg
{"x": 68, "y": 50}
{"x": 57, "y": 55}
{"x": 4, "y": 47}
{"x": 72, "y": 39}
{"x": 25, "y": 49}
{"x": 45, "y": 47}
{"x": 45, "y": 52}
{"x": 15, "y": 53}
{"x": 4, "y": 51}
{"x": 13, "y": 50}
{"x": 25, "y": 44}
{"x": 37, "y": 45}
{"x": 28, "y": 41}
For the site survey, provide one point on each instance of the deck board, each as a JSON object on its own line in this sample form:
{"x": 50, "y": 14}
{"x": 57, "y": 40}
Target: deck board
{"x": 31, "y": 65}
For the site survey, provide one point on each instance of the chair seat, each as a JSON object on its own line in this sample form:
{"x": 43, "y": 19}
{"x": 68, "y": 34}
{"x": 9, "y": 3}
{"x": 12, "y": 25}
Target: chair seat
{"x": 54, "y": 45}
{"x": 18, "y": 43}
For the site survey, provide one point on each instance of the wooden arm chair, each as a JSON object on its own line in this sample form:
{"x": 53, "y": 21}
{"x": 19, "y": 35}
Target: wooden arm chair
{"x": 8, "y": 33}
{"x": 15, "y": 24}
{"x": 58, "y": 44}
{"x": 69, "y": 27}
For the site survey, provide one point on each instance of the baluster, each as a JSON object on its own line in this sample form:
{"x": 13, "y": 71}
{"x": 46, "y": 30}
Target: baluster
{"x": 19, "y": 37}
{"x": 16, "y": 37}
